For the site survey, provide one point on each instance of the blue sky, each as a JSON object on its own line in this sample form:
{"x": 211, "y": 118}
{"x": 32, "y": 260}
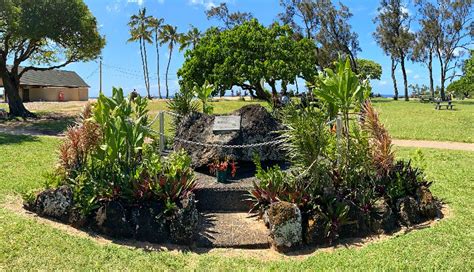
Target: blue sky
{"x": 122, "y": 65}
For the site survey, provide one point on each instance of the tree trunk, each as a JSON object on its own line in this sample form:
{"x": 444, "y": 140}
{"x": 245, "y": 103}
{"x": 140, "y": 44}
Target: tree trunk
{"x": 405, "y": 81}
{"x": 394, "y": 79}
{"x": 12, "y": 93}
{"x": 158, "y": 64}
{"x": 167, "y": 71}
{"x": 143, "y": 65}
{"x": 430, "y": 69}
{"x": 261, "y": 94}
{"x": 443, "y": 75}
{"x": 146, "y": 69}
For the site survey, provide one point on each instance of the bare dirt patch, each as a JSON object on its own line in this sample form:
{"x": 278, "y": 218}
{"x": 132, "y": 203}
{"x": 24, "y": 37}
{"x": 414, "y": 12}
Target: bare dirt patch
{"x": 15, "y": 205}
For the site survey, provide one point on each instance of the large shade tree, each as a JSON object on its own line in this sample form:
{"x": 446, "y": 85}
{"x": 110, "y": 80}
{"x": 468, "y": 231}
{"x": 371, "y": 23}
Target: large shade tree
{"x": 368, "y": 69}
{"x": 30, "y": 39}
{"x": 230, "y": 19}
{"x": 454, "y": 32}
{"x": 326, "y": 25}
{"x": 464, "y": 86}
{"x": 394, "y": 37}
{"x": 424, "y": 46}
{"x": 248, "y": 55}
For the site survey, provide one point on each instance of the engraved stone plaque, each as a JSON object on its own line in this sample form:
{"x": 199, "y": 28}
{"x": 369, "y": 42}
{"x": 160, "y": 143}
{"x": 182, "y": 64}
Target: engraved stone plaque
{"x": 226, "y": 123}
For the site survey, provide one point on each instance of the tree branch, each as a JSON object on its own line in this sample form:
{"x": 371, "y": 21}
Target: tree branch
{"x": 32, "y": 68}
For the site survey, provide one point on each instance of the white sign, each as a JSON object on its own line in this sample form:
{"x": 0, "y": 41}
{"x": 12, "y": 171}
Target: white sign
{"x": 226, "y": 123}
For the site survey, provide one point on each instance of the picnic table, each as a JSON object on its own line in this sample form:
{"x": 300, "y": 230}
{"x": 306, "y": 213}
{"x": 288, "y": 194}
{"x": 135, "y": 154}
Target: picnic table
{"x": 440, "y": 104}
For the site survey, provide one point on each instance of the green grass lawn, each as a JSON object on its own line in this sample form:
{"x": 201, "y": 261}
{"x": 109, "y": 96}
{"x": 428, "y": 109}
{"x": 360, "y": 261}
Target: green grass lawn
{"x": 415, "y": 120}
{"x": 25, "y": 244}
{"x": 405, "y": 120}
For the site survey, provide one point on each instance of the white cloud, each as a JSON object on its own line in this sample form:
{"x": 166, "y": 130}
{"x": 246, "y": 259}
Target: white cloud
{"x": 383, "y": 82}
{"x": 207, "y": 4}
{"x": 139, "y": 2}
{"x": 114, "y": 7}
{"x": 459, "y": 52}
{"x": 409, "y": 71}
{"x": 406, "y": 10}
{"x": 417, "y": 76}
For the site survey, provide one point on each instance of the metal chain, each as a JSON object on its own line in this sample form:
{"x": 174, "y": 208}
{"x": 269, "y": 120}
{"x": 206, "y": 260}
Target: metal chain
{"x": 173, "y": 114}
{"x": 275, "y": 142}
{"x": 221, "y": 145}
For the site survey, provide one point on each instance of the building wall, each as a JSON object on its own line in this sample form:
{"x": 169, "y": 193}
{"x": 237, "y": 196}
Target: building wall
{"x": 52, "y": 94}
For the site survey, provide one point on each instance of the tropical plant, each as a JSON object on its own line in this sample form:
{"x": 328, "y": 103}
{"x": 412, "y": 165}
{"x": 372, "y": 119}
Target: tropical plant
{"x": 272, "y": 186}
{"x": 182, "y": 104}
{"x": 169, "y": 34}
{"x": 203, "y": 93}
{"x": 403, "y": 180}
{"x": 157, "y": 24}
{"x": 341, "y": 90}
{"x": 190, "y": 39}
{"x": 307, "y": 138}
{"x": 141, "y": 28}
{"x": 335, "y": 215}
{"x": 383, "y": 157}
{"x": 223, "y": 166}
{"x": 80, "y": 141}
{"x": 175, "y": 181}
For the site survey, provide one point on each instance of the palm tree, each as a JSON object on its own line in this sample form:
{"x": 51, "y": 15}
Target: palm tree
{"x": 190, "y": 39}
{"x": 141, "y": 31}
{"x": 169, "y": 34}
{"x": 157, "y": 24}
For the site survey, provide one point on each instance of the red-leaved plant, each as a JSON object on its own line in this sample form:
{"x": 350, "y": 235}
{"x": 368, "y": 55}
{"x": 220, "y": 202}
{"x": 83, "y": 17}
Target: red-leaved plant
{"x": 223, "y": 166}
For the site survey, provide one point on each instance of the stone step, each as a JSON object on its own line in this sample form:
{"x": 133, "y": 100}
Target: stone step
{"x": 232, "y": 230}
{"x": 222, "y": 197}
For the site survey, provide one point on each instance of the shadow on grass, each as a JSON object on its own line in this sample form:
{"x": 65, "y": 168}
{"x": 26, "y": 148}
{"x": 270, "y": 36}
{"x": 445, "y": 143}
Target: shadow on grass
{"x": 44, "y": 124}
{"x": 6, "y": 139}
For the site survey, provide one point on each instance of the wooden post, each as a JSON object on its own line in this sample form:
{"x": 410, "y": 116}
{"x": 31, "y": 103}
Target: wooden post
{"x": 161, "y": 117}
{"x": 339, "y": 137}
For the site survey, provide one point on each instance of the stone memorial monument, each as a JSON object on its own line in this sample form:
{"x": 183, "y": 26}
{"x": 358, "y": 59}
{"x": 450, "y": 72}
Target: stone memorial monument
{"x": 251, "y": 124}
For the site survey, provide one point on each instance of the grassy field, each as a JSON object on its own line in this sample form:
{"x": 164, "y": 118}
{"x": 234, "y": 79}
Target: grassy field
{"x": 405, "y": 120}
{"x": 28, "y": 245}
{"x": 415, "y": 120}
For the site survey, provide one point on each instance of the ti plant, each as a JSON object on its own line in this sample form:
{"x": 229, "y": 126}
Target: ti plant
{"x": 341, "y": 90}
{"x": 203, "y": 93}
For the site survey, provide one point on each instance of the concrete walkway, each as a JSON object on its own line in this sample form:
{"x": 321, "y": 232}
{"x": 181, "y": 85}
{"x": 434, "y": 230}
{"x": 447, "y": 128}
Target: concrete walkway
{"x": 434, "y": 144}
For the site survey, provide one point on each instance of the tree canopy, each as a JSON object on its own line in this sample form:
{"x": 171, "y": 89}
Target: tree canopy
{"x": 369, "y": 69}
{"x": 464, "y": 86}
{"x": 394, "y": 37}
{"x": 326, "y": 25}
{"x": 230, "y": 19}
{"x": 29, "y": 32}
{"x": 246, "y": 55}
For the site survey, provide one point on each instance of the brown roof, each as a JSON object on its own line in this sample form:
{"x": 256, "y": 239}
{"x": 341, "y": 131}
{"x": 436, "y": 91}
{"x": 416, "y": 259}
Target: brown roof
{"x": 52, "y": 78}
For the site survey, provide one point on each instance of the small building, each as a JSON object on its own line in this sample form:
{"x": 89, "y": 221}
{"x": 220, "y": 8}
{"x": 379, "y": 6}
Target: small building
{"x": 52, "y": 85}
